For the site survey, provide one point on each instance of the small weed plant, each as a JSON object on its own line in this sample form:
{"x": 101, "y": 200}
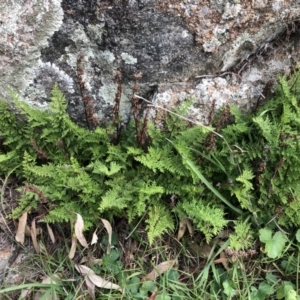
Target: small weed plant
{"x": 241, "y": 172}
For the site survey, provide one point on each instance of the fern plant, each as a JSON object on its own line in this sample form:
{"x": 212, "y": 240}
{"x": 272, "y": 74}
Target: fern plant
{"x": 247, "y": 167}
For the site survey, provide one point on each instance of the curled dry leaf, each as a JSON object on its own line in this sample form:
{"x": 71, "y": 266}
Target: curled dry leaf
{"x": 95, "y": 279}
{"x": 2, "y": 220}
{"x": 153, "y": 295}
{"x": 25, "y": 294}
{"x": 51, "y": 234}
{"x": 73, "y": 247}
{"x": 109, "y": 231}
{"x": 224, "y": 234}
{"x": 20, "y": 235}
{"x": 33, "y": 237}
{"x": 203, "y": 251}
{"x": 159, "y": 269}
{"x": 95, "y": 238}
{"x": 184, "y": 223}
{"x": 53, "y": 280}
{"x": 91, "y": 288}
{"x": 28, "y": 231}
{"x": 79, "y": 226}
{"x": 222, "y": 260}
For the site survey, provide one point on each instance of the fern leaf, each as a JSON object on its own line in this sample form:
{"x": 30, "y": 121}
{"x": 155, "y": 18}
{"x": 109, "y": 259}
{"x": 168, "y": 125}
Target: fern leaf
{"x": 159, "y": 221}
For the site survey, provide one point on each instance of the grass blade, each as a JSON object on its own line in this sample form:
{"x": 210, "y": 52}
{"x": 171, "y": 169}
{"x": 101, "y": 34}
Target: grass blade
{"x": 208, "y": 185}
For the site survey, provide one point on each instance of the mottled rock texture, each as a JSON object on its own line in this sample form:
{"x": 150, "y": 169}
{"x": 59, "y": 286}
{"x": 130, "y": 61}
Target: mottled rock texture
{"x": 221, "y": 51}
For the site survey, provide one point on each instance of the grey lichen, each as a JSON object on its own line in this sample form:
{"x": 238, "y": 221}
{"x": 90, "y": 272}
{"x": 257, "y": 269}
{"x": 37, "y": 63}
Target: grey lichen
{"x": 48, "y": 74}
{"x": 220, "y": 36}
{"x": 242, "y": 47}
{"x": 128, "y": 59}
{"x": 231, "y": 11}
{"x": 23, "y": 34}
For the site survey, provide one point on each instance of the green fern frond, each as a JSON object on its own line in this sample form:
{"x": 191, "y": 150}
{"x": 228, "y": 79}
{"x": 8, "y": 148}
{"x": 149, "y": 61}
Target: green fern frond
{"x": 269, "y": 129}
{"x": 242, "y": 238}
{"x": 101, "y": 168}
{"x": 208, "y": 219}
{"x": 159, "y": 221}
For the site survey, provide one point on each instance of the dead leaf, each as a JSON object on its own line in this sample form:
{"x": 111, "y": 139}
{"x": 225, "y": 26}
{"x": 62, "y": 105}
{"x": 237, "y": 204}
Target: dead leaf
{"x": 51, "y": 280}
{"x": 109, "y": 231}
{"x": 79, "y": 226}
{"x": 20, "y": 235}
{"x": 153, "y": 295}
{"x": 201, "y": 251}
{"x": 46, "y": 294}
{"x": 185, "y": 223}
{"x": 159, "y": 269}
{"x": 91, "y": 261}
{"x": 73, "y": 247}
{"x": 91, "y": 288}
{"x": 51, "y": 234}
{"x": 95, "y": 279}
{"x": 224, "y": 234}
{"x": 222, "y": 260}
{"x": 33, "y": 237}
{"x": 27, "y": 230}
{"x": 25, "y": 294}
{"x": 2, "y": 220}
{"x": 95, "y": 238}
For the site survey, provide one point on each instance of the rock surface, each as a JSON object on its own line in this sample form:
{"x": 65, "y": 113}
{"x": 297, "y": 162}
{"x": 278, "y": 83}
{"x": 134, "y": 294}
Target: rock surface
{"x": 221, "y": 51}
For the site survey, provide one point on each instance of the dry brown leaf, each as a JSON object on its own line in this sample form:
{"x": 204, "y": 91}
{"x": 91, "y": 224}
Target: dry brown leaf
{"x": 27, "y": 231}
{"x": 42, "y": 293}
{"x": 20, "y": 235}
{"x": 91, "y": 288}
{"x": 181, "y": 230}
{"x": 51, "y": 234}
{"x": 79, "y": 226}
{"x": 153, "y": 295}
{"x": 91, "y": 261}
{"x": 25, "y": 294}
{"x": 224, "y": 234}
{"x": 184, "y": 223}
{"x": 33, "y": 237}
{"x": 49, "y": 280}
{"x": 222, "y": 260}
{"x": 159, "y": 269}
{"x": 95, "y": 238}
{"x": 73, "y": 247}
{"x": 201, "y": 251}
{"x": 95, "y": 279}
{"x": 109, "y": 231}
{"x": 2, "y": 220}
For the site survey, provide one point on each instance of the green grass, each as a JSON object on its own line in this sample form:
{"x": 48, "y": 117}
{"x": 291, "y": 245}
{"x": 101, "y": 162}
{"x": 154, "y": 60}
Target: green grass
{"x": 132, "y": 258}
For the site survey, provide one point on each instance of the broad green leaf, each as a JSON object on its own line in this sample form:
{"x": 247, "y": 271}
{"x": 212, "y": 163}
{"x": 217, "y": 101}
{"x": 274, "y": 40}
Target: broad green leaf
{"x": 163, "y": 296}
{"x": 148, "y": 286}
{"x": 291, "y": 295}
{"x": 274, "y": 245}
{"x": 271, "y": 278}
{"x": 133, "y": 285}
{"x": 265, "y": 235}
{"x": 229, "y": 289}
{"x": 283, "y": 291}
{"x": 265, "y": 289}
